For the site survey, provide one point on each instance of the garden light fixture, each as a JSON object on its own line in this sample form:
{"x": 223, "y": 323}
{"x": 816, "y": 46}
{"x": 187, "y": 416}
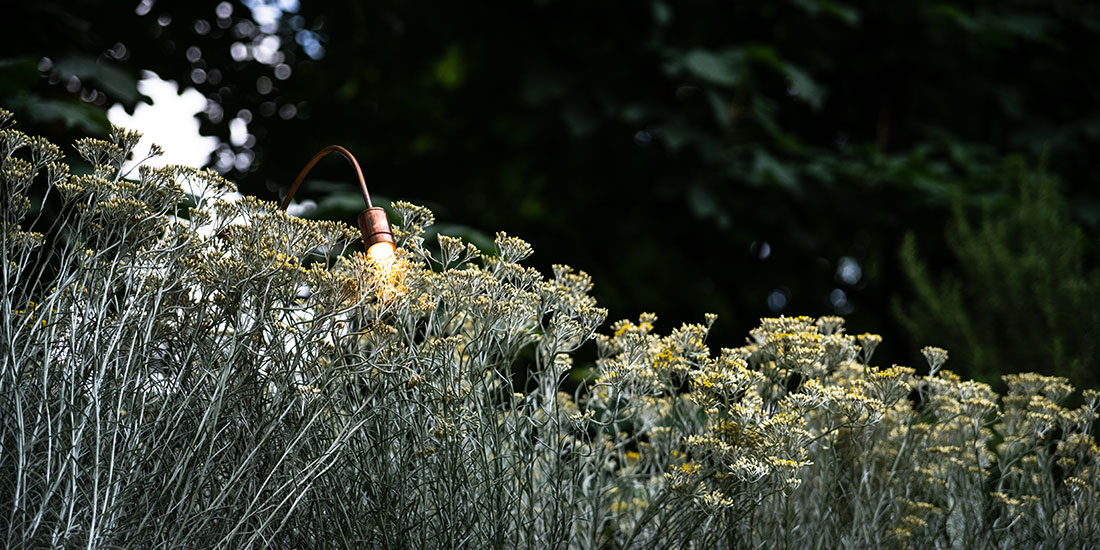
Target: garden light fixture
{"x": 374, "y": 224}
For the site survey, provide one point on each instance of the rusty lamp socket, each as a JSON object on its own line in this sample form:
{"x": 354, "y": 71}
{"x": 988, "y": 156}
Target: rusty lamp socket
{"x": 374, "y": 226}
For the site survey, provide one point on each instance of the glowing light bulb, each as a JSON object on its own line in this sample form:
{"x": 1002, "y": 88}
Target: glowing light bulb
{"x": 382, "y": 252}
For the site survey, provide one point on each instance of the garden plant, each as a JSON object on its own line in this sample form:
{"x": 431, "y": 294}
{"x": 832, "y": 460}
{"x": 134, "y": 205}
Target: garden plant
{"x": 185, "y": 368}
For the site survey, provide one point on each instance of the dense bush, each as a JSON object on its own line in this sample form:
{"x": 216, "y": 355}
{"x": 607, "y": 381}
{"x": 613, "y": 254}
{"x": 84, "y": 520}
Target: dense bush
{"x": 182, "y": 369}
{"x": 1023, "y": 295}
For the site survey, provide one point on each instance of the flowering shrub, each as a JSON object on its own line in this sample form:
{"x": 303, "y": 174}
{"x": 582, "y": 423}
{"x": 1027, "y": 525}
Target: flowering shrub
{"x": 182, "y": 369}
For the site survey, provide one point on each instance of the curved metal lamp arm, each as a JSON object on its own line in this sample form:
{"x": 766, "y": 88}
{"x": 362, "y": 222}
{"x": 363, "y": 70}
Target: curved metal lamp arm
{"x": 313, "y": 162}
{"x": 374, "y": 223}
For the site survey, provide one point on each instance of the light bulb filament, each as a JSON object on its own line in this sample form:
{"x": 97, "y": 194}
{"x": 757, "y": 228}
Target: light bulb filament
{"x": 382, "y": 252}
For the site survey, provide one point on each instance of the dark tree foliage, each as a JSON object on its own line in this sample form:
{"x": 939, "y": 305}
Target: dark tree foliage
{"x": 740, "y": 158}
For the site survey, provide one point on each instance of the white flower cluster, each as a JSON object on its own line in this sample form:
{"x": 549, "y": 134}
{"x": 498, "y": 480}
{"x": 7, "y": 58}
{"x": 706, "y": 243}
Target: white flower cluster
{"x": 186, "y": 369}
